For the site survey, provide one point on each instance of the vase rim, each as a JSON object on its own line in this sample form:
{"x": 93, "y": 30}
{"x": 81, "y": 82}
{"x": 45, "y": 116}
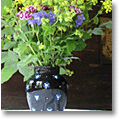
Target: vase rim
{"x": 46, "y": 69}
{"x": 47, "y": 66}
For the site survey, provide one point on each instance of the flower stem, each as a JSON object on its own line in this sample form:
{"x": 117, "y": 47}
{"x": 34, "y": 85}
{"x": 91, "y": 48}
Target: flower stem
{"x": 30, "y": 46}
{"x": 89, "y": 20}
{"x": 50, "y": 39}
{"x": 34, "y": 54}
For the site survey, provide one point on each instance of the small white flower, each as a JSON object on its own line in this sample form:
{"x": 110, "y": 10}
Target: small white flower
{"x": 58, "y": 96}
{"x": 37, "y": 76}
{"x": 36, "y": 97}
{"x": 33, "y": 109}
{"x": 55, "y": 76}
{"x": 31, "y": 82}
{"x": 46, "y": 85}
{"x": 49, "y": 109}
{"x": 39, "y": 84}
{"x": 27, "y": 87}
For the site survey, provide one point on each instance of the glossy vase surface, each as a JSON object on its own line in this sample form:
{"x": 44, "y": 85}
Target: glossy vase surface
{"x": 46, "y": 90}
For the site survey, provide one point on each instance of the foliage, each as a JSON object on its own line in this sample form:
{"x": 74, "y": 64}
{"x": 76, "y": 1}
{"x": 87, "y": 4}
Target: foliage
{"x": 45, "y": 32}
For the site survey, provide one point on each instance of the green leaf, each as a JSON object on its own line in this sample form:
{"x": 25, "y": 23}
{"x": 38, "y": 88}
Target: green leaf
{"x": 24, "y": 28}
{"x": 81, "y": 45}
{"x": 73, "y": 37}
{"x": 12, "y": 55}
{"x": 35, "y": 46}
{"x": 26, "y": 71}
{"x": 57, "y": 38}
{"x": 86, "y": 14}
{"x": 23, "y": 59}
{"x": 88, "y": 7}
{"x": 22, "y": 49}
{"x": 4, "y": 57}
{"x": 30, "y": 59}
{"x": 48, "y": 30}
{"x": 7, "y": 40}
{"x": 97, "y": 31}
{"x": 2, "y": 33}
{"x": 71, "y": 45}
{"x": 85, "y": 34}
{"x": 22, "y": 24}
{"x": 62, "y": 71}
{"x": 47, "y": 57}
{"x": 71, "y": 58}
{"x": 9, "y": 45}
{"x": 2, "y": 44}
{"x": 7, "y": 3}
{"x": 107, "y": 24}
{"x": 7, "y": 31}
{"x": 9, "y": 55}
{"x": 96, "y": 20}
{"x": 9, "y": 69}
{"x": 3, "y": 23}
{"x": 28, "y": 32}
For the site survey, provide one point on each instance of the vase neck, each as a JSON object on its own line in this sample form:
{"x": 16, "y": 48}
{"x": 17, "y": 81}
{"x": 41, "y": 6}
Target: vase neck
{"x": 46, "y": 70}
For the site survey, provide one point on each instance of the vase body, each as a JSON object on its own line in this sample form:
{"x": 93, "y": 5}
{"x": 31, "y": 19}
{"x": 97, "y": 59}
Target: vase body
{"x": 46, "y": 90}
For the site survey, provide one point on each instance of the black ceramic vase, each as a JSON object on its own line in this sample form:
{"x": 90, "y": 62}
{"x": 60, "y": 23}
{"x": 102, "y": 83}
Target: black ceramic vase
{"x": 46, "y": 90}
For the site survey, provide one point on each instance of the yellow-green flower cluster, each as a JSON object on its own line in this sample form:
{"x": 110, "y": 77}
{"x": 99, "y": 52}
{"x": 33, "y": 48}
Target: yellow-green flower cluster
{"x": 45, "y": 20}
{"x": 10, "y": 9}
{"x": 61, "y": 28}
{"x": 69, "y": 73}
{"x": 60, "y": 7}
{"x": 107, "y": 5}
{"x": 40, "y": 45}
{"x": 80, "y": 2}
{"x": 36, "y": 3}
{"x": 94, "y": 2}
{"x": 61, "y": 2}
{"x": 76, "y": 2}
{"x": 27, "y": 3}
{"x": 78, "y": 33}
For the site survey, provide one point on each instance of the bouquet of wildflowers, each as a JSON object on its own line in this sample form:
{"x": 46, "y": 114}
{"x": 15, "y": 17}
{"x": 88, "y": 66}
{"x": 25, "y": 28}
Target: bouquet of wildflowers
{"x": 45, "y": 32}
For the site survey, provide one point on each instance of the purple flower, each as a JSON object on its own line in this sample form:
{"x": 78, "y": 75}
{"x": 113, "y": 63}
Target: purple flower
{"x": 31, "y": 22}
{"x": 45, "y": 7}
{"x": 79, "y": 20}
{"x": 72, "y": 6}
{"x": 37, "y": 16}
{"x": 77, "y": 10}
{"x": 51, "y": 17}
{"x": 23, "y": 14}
{"x": 30, "y": 8}
{"x": 42, "y": 13}
{"x": 20, "y": 14}
{"x": 38, "y": 21}
{"x": 27, "y": 16}
{"x": 52, "y": 20}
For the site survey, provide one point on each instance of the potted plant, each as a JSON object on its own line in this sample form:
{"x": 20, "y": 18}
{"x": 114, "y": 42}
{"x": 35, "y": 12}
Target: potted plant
{"x": 38, "y": 37}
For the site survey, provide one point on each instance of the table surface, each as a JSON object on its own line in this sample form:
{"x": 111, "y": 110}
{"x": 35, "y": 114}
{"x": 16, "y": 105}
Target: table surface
{"x": 64, "y": 110}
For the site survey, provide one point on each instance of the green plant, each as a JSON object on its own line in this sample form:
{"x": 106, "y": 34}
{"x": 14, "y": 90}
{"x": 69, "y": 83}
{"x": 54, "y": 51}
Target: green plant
{"x": 45, "y": 32}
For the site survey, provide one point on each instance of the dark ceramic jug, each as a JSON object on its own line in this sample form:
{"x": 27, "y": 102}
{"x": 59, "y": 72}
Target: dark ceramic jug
{"x": 46, "y": 90}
